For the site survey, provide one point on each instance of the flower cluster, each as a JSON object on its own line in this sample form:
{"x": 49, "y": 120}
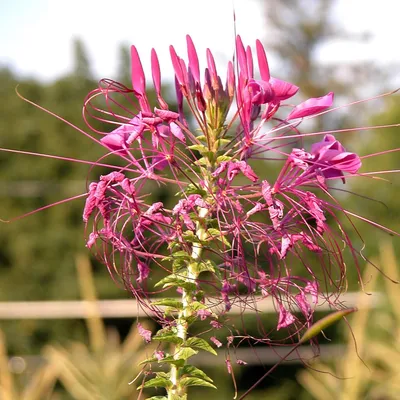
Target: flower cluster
{"x": 253, "y": 217}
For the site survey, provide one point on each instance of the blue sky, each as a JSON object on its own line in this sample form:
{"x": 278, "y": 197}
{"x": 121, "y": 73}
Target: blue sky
{"x": 35, "y": 35}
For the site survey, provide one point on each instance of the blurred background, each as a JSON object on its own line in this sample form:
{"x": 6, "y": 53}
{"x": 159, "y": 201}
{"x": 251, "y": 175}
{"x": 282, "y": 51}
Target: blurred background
{"x": 55, "y": 52}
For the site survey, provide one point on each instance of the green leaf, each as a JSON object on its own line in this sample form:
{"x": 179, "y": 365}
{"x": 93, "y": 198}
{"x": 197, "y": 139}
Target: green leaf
{"x": 148, "y": 361}
{"x": 179, "y": 362}
{"x": 216, "y": 234}
{"x": 174, "y": 280}
{"x": 168, "y": 337}
{"x": 193, "y": 189}
{"x": 223, "y": 142}
{"x": 186, "y": 352}
{"x": 200, "y": 344}
{"x": 189, "y": 381}
{"x": 194, "y": 372}
{"x": 197, "y": 305}
{"x": 202, "y": 161}
{"x": 157, "y": 382}
{"x": 323, "y": 323}
{"x": 181, "y": 254}
{"x": 189, "y": 236}
{"x": 169, "y": 302}
{"x": 177, "y": 397}
{"x": 199, "y": 147}
{"x": 179, "y": 267}
{"x": 158, "y": 398}
{"x": 223, "y": 158}
{"x": 204, "y": 266}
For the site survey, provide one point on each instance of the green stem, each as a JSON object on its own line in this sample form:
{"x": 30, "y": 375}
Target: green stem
{"x": 187, "y": 299}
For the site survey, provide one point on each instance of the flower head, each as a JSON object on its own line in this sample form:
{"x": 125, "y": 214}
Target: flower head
{"x": 247, "y": 228}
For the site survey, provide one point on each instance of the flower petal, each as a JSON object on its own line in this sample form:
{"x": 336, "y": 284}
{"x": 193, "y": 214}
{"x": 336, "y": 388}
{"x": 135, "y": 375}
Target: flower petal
{"x": 311, "y": 106}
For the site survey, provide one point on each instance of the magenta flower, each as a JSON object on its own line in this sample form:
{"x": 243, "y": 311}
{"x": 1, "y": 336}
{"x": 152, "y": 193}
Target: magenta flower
{"x": 333, "y": 159}
{"x": 242, "y": 229}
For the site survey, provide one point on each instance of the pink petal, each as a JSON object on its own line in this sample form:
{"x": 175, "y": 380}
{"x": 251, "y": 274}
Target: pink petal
{"x": 241, "y": 56}
{"x": 177, "y": 65}
{"x": 193, "y": 59}
{"x": 216, "y": 341}
{"x": 230, "y": 80}
{"x": 177, "y": 131}
{"x": 155, "y": 70}
{"x": 262, "y": 62}
{"x": 348, "y": 162}
{"x": 144, "y": 333}
{"x": 285, "y": 318}
{"x": 250, "y": 68}
{"x": 138, "y": 78}
{"x": 212, "y": 69}
{"x": 311, "y": 106}
{"x": 283, "y": 90}
{"x": 260, "y": 92}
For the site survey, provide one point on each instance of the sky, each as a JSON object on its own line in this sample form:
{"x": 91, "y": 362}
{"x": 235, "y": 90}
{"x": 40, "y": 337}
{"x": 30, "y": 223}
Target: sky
{"x": 35, "y": 35}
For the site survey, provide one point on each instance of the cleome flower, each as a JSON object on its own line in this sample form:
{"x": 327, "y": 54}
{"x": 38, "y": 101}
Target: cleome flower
{"x": 253, "y": 217}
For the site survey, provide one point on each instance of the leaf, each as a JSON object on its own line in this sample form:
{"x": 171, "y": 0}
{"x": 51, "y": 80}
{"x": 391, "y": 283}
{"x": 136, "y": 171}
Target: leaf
{"x": 169, "y": 302}
{"x": 174, "y": 280}
{"x": 193, "y": 189}
{"x": 158, "y": 398}
{"x": 186, "y": 352}
{"x": 181, "y": 254}
{"x": 223, "y": 158}
{"x": 168, "y": 337}
{"x": 323, "y": 323}
{"x": 197, "y": 305}
{"x": 148, "y": 361}
{"x": 179, "y": 362}
{"x": 202, "y": 161}
{"x": 204, "y": 266}
{"x": 189, "y": 381}
{"x": 177, "y": 397}
{"x": 223, "y": 142}
{"x": 199, "y": 147}
{"x": 156, "y": 382}
{"x": 192, "y": 371}
{"x": 200, "y": 344}
{"x": 189, "y": 236}
{"x": 216, "y": 234}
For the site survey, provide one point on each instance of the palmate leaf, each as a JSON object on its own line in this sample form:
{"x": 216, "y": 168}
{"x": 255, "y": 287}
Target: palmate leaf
{"x": 169, "y": 302}
{"x": 190, "y": 381}
{"x": 194, "y": 372}
{"x": 169, "y": 337}
{"x": 158, "y": 381}
{"x": 175, "y": 281}
{"x": 180, "y": 362}
{"x": 216, "y": 234}
{"x": 186, "y": 352}
{"x": 200, "y": 344}
{"x": 204, "y": 266}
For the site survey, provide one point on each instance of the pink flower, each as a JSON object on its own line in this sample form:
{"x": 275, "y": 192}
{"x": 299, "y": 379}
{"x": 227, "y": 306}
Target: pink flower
{"x": 216, "y": 341}
{"x": 333, "y": 159}
{"x": 144, "y": 333}
{"x": 285, "y": 318}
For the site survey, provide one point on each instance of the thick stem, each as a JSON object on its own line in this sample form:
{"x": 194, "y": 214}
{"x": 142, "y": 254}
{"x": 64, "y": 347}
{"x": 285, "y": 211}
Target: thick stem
{"x": 187, "y": 299}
